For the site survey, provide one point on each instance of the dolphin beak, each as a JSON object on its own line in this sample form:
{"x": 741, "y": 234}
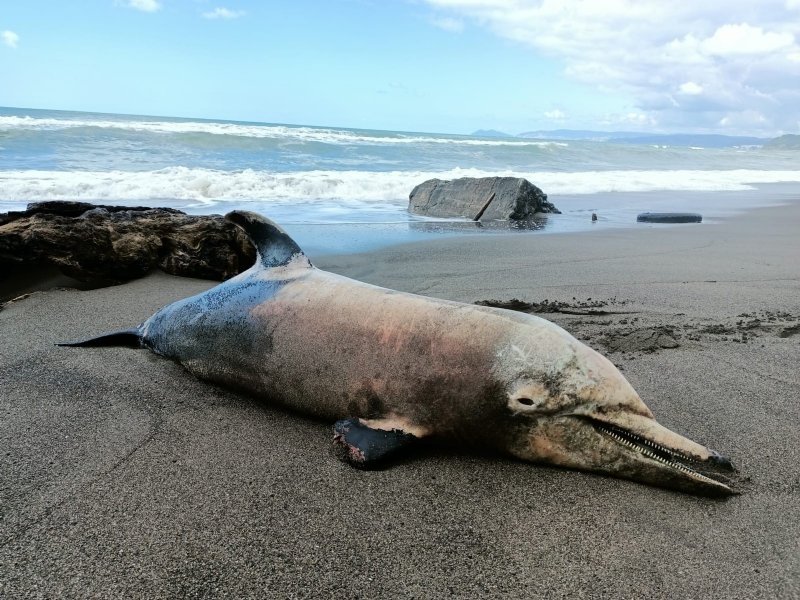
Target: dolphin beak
{"x": 630, "y": 446}
{"x": 654, "y": 454}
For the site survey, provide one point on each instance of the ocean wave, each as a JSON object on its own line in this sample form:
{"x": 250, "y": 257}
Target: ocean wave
{"x": 259, "y": 131}
{"x": 208, "y": 187}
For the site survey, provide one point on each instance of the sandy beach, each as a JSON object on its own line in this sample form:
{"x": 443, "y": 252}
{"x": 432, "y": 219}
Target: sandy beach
{"x": 124, "y": 476}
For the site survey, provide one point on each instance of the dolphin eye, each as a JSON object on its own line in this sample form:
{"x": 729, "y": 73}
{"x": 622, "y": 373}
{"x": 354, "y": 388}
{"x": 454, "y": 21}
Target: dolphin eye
{"x": 523, "y": 404}
{"x": 527, "y": 400}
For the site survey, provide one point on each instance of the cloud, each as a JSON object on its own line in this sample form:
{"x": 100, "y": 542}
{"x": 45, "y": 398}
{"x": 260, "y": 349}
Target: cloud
{"x": 555, "y": 114}
{"x": 223, "y": 13}
{"x": 684, "y": 64}
{"x": 10, "y": 38}
{"x": 691, "y": 88}
{"x": 144, "y": 5}
{"x": 637, "y": 120}
{"x": 448, "y": 24}
{"x": 745, "y": 39}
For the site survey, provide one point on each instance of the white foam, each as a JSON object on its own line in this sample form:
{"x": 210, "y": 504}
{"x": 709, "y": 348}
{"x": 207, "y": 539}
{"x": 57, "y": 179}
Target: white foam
{"x": 280, "y": 132}
{"x": 208, "y": 186}
{"x": 353, "y": 188}
{"x": 592, "y": 182}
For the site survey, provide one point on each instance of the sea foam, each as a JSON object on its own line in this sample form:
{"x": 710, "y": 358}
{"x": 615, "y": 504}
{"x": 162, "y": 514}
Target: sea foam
{"x": 259, "y": 131}
{"x": 208, "y": 187}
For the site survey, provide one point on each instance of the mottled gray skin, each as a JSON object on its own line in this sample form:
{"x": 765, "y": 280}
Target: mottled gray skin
{"x": 333, "y": 347}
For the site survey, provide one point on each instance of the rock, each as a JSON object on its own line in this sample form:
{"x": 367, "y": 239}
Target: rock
{"x": 669, "y": 218}
{"x": 489, "y": 198}
{"x": 112, "y": 244}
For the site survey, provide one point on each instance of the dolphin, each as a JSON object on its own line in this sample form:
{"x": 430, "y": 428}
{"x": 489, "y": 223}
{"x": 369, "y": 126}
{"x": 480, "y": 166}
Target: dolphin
{"x": 391, "y": 368}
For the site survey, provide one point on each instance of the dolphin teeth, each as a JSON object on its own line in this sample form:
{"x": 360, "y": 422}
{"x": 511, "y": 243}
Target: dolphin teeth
{"x": 639, "y": 441}
{"x": 652, "y": 450}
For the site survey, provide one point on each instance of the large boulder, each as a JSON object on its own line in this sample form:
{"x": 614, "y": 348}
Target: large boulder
{"x": 490, "y": 198}
{"x": 112, "y": 244}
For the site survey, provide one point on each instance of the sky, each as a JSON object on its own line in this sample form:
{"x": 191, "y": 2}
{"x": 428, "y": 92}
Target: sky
{"x": 451, "y": 66}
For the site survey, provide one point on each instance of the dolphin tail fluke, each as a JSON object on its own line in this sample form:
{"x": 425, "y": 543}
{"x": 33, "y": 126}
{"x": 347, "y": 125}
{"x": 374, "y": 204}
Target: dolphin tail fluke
{"x": 130, "y": 338}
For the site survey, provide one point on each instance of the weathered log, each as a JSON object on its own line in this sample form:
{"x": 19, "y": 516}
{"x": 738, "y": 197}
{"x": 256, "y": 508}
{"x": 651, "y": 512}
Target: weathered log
{"x": 112, "y": 244}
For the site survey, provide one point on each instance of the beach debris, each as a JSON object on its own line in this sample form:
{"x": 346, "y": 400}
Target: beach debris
{"x": 113, "y": 244}
{"x": 629, "y": 334}
{"x": 747, "y": 326}
{"x": 676, "y": 217}
{"x": 646, "y": 339}
{"x": 489, "y": 198}
{"x": 579, "y": 307}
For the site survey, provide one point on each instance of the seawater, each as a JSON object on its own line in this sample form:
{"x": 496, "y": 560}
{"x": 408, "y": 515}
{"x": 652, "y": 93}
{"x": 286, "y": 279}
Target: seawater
{"x": 318, "y": 180}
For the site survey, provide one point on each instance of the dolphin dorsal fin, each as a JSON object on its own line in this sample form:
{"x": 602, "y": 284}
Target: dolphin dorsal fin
{"x": 274, "y": 246}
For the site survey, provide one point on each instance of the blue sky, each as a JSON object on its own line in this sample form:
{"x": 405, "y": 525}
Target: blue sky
{"x": 419, "y": 65}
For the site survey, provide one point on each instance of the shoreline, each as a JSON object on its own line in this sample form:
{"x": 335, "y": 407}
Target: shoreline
{"x": 616, "y": 211}
{"x": 463, "y": 255}
{"x": 128, "y": 476}
{"x": 323, "y": 228}
{"x": 324, "y": 242}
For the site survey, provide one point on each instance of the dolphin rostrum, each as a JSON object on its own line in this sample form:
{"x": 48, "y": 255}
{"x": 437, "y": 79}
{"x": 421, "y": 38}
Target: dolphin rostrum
{"x": 393, "y": 367}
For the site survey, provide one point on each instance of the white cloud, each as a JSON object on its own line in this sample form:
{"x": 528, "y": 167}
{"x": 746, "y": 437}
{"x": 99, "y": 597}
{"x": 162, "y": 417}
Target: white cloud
{"x": 747, "y": 118}
{"x": 637, "y": 118}
{"x": 743, "y": 51}
{"x": 745, "y": 39}
{"x": 223, "y": 13}
{"x": 10, "y": 38}
{"x": 691, "y": 88}
{"x": 448, "y": 24}
{"x": 145, "y": 5}
{"x": 555, "y": 114}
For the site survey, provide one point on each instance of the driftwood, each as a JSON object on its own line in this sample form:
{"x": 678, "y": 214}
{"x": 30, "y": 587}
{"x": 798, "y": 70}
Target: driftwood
{"x": 112, "y": 244}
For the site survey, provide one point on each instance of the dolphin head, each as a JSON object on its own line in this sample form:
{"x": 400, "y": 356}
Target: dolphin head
{"x": 573, "y": 408}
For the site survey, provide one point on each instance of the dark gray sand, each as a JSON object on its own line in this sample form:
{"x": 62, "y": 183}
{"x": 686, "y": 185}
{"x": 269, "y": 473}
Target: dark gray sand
{"x": 123, "y": 476}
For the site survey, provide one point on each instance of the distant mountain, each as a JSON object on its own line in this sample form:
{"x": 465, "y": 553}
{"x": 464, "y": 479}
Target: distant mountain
{"x": 784, "y": 142}
{"x": 633, "y": 137}
{"x": 491, "y": 133}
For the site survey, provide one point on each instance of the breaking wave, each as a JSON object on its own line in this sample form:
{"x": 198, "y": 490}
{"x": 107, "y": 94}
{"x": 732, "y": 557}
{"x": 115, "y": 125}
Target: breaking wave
{"x": 208, "y": 186}
{"x": 259, "y": 131}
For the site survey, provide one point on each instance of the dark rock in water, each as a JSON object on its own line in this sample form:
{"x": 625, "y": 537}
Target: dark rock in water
{"x": 669, "y": 218}
{"x": 112, "y": 244}
{"x": 488, "y": 198}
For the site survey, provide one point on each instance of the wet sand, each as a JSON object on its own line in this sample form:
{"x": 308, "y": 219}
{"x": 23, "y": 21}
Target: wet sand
{"x": 123, "y": 476}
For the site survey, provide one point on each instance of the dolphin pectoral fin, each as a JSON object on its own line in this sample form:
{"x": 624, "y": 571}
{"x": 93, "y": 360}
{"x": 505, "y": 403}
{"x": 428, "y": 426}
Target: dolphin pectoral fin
{"x": 366, "y": 444}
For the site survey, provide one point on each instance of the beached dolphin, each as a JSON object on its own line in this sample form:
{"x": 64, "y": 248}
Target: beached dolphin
{"x": 394, "y": 367}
